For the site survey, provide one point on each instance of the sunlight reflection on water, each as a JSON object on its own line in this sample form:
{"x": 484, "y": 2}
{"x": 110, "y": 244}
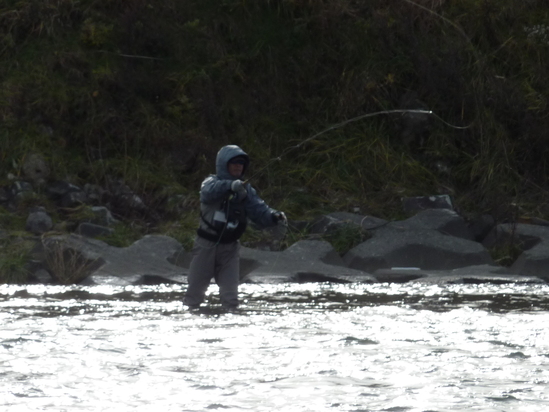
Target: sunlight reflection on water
{"x": 307, "y": 347}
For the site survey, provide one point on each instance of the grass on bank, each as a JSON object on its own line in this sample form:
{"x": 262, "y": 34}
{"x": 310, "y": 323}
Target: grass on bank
{"x": 14, "y": 259}
{"x": 147, "y": 92}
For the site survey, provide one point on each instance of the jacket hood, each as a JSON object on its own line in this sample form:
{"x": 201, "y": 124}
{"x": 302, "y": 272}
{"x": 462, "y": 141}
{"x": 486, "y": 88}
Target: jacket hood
{"x": 225, "y": 154}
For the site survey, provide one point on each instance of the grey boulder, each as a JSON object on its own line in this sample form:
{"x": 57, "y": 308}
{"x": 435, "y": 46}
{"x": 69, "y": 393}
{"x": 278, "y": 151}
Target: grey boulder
{"x": 145, "y": 261}
{"x": 444, "y": 221}
{"x": 413, "y": 205}
{"x": 304, "y": 261}
{"x": 420, "y": 248}
{"x": 38, "y": 221}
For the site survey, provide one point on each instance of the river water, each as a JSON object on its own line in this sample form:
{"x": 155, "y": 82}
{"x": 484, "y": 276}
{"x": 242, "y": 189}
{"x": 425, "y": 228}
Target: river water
{"x": 298, "y": 347}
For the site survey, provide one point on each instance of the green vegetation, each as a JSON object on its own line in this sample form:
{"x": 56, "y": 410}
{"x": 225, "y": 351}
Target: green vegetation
{"x": 124, "y": 235}
{"x": 14, "y": 258}
{"x": 347, "y": 237}
{"x": 507, "y": 253}
{"x": 11, "y": 221}
{"x": 148, "y": 90}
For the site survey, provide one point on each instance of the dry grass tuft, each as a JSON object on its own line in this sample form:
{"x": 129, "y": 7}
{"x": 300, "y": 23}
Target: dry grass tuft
{"x": 67, "y": 265}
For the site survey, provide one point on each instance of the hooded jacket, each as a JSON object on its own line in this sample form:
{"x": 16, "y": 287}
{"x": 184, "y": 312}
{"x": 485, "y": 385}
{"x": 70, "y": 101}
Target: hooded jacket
{"x": 223, "y": 215}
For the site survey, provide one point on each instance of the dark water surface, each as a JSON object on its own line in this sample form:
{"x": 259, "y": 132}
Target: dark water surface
{"x": 305, "y": 347}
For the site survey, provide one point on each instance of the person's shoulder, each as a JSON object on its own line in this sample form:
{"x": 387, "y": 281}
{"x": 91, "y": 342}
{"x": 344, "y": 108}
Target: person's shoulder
{"x": 210, "y": 179}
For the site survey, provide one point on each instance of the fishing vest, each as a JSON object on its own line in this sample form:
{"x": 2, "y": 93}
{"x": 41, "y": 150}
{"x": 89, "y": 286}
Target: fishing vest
{"x": 229, "y": 223}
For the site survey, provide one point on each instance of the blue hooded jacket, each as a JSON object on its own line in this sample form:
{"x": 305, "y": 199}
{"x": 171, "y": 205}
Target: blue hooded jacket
{"x": 216, "y": 197}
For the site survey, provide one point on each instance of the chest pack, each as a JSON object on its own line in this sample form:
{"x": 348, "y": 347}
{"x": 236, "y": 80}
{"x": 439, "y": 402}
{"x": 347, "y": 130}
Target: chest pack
{"x": 229, "y": 223}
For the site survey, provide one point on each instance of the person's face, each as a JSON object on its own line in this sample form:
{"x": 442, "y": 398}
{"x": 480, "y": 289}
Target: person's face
{"x": 236, "y": 167}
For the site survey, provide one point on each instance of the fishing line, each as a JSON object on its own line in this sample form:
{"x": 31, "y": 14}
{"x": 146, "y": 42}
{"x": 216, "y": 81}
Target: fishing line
{"x": 337, "y": 126}
{"x": 333, "y": 127}
{"x": 401, "y": 111}
{"x": 354, "y": 119}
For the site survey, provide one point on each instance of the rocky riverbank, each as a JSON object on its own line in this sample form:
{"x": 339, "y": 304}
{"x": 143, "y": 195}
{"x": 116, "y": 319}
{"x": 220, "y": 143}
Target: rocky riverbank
{"x": 435, "y": 244}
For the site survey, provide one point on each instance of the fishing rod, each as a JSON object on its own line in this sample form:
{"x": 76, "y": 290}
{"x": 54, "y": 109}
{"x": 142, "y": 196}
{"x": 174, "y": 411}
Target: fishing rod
{"x": 346, "y": 122}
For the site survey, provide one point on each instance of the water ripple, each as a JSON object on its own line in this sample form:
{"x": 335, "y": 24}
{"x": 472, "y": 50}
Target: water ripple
{"x": 306, "y": 347}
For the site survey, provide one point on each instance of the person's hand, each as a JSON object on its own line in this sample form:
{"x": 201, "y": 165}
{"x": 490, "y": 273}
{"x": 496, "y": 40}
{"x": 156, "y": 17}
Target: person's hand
{"x": 238, "y": 187}
{"x": 280, "y": 217}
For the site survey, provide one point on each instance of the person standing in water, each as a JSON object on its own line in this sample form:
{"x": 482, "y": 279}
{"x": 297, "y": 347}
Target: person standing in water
{"x": 226, "y": 203}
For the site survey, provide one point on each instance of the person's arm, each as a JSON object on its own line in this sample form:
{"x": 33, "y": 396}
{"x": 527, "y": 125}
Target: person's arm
{"x": 258, "y": 211}
{"x": 214, "y": 190}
